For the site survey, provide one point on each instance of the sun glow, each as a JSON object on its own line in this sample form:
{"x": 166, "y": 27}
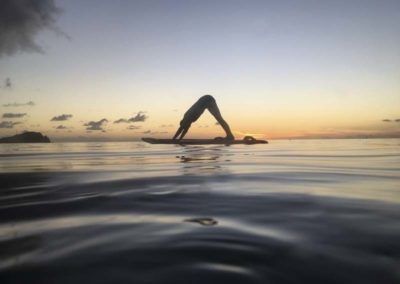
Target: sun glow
{"x": 255, "y": 135}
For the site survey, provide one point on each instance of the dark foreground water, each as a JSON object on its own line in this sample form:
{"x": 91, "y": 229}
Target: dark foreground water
{"x": 323, "y": 211}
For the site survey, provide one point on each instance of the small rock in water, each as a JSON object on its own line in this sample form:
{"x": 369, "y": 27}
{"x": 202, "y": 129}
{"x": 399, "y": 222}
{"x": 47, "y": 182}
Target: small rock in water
{"x": 203, "y": 221}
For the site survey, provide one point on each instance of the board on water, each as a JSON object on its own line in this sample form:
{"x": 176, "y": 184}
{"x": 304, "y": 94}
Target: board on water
{"x": 248, "y": 140}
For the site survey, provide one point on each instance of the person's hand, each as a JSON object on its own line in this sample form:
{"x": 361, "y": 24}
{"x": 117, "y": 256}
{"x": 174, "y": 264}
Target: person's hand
{"x": 185, "y": 129}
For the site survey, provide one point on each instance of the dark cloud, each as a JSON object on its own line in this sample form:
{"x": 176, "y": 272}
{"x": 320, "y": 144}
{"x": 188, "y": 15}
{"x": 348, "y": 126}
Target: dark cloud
{"x": 13, "y": 115}
{"x": 21, "y": 21}
{"x": 96, "y": 125}
{"x": 122, "y": 120}
{"x": 61, "y": 127}
{"x": 8, "y": 124}
{"x": 397, "y": 120}
{"x": 30, "y": 103}
{"x": 133, "y": 127}
{"x": 140, "y": 117}
{"x": 386, "y": 120}
{"x": 61, "y": 117}
{"x": 7, "y": 83}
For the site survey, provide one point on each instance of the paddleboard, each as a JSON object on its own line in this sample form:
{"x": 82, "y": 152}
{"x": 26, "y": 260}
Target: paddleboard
{"x": 248, "y": 140}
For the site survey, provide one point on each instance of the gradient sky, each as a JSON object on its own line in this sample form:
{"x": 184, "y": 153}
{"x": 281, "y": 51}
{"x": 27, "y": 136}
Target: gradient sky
{"x": 277, "y": 69}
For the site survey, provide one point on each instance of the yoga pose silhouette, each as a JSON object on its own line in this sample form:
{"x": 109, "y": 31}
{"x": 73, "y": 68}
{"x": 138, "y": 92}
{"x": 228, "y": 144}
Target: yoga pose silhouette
{"x": 196, "y": 110}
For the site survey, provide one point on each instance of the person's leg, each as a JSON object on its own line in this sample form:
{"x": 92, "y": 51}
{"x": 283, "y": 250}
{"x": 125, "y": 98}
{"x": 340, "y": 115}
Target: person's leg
{"x": 214, "y": 110}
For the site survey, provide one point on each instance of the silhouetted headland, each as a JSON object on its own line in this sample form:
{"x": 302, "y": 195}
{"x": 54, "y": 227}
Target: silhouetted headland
{"x": 26, "y": 137}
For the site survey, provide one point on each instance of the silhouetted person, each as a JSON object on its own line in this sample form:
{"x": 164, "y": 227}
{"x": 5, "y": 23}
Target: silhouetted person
{"x": 196, "y": 110}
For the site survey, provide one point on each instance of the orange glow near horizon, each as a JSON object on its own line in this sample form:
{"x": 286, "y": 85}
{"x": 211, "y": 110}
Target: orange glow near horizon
{"x": 333, "y": 74}
{"x": 163, "y": 122}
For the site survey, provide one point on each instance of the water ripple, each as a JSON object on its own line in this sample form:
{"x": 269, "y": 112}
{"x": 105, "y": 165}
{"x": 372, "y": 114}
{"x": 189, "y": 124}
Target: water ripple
{"x": 289, "y": 212}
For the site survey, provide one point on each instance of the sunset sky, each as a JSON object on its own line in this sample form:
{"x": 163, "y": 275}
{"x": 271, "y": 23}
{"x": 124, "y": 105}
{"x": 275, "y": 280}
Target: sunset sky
{"x": 278, "y": 69}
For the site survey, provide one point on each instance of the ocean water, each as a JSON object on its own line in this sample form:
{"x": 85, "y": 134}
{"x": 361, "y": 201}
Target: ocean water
{"x": 301, "y": 211}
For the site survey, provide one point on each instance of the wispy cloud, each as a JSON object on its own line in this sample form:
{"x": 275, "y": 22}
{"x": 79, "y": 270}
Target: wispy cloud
{"x": 166, "y": 125}
{"x": 96, "y": 125}
{"x": 21, "y": 21}
{"x": 391, "y": 120}
{"x": 61, "y": 117}
{"x": 8, "y": 124}
{"x": 153, "y": 132}
{"x": 13, "y": 115}
{"x": 133, "y": 127}
{"x": 30, "y": 103}
{"x": 61, "y": 127}
{"x": 122, "y": 120}
{"x": 353, "y": 132}
{"x": 203, "y": 126}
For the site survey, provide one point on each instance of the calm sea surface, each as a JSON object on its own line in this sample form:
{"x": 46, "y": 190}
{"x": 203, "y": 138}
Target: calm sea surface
{"x": 304, "y": 211}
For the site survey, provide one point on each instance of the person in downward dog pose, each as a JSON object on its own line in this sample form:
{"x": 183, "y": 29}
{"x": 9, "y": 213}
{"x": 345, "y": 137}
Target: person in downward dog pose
{"x": 196, "y": 110}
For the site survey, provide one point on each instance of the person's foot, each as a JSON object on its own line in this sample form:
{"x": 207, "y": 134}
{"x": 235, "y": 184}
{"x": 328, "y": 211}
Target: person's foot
{"x": 230, "y": 137}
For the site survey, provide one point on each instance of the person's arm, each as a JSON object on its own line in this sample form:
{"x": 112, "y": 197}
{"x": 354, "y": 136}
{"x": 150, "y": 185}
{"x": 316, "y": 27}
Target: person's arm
{"x": 185, "y": 130}
{"x": 180, "y": 129}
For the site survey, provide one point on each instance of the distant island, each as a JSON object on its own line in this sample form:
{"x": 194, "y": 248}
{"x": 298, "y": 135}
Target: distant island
{"x": 26, "y": 137}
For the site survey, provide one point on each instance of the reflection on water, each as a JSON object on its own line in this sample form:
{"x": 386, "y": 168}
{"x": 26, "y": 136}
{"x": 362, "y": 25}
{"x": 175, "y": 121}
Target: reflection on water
{"x": 203, "y": 221}
{"x": 199, "y": 160}
{"x": 287, "y": 212}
